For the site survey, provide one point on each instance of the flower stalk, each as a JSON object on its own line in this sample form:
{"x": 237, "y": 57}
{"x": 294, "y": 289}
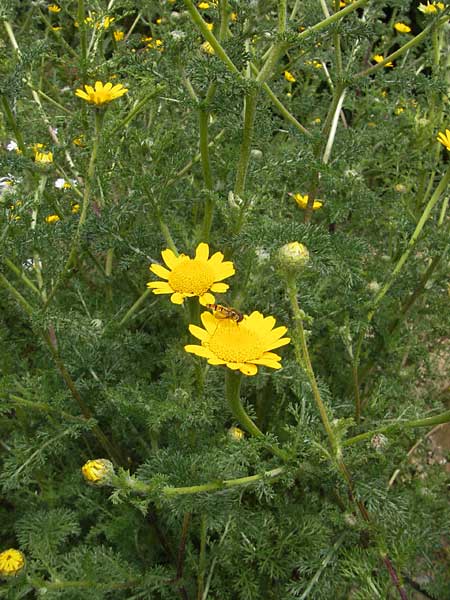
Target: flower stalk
{"x": 232, "y": 391}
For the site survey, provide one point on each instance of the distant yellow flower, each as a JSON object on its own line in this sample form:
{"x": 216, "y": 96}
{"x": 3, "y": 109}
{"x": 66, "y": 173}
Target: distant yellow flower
{"x": 56, "y": 27}
{"x": 289, "y": 77}
{"x": 207, "y": 48}
{"x": 54, "y": 8}
{"x": 98, "y": 471}
{"x": 302, "y": 201}
{"x": 190, "y": 277}
{"x": 317, "y": 120}
{"x": 101, "y": 94}
{"x": 118, "y": 35}
{"x": 234, "y": 17}
{"x": 240, "y": 346}
{"x": 41, "y": 156}
{"x": 314, "y": 63}
{"x": 105, "y": 23}
{"x": 379, "y": 58}
{"x": 11, "y": 562}
{"x": 151, "y": 43}
{"x": 210, "y": 26}
{"x": 79, "y": 141}
{"x": 52, "y": 219}
{"x": 444, "y": 138}
{"x": 203, "y": 5}
{"x": 75, "y": 208}
{"x": 399, "y": 110}
{"x": 430, "y": 8}
{"x": 236, "y": 433}
{"x": 402, "y": 27}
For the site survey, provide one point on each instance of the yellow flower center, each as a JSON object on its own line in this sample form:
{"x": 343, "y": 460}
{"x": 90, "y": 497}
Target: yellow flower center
{"x": 234, "y": 342}
{"x": 191, "y": 277}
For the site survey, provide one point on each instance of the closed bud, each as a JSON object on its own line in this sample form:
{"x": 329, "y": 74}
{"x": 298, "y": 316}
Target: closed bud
{"x": 236, "y": 433}
{"x": 11, "y": 562}
{"x": 99, "y": 471}
{"x": 293, "y": 256}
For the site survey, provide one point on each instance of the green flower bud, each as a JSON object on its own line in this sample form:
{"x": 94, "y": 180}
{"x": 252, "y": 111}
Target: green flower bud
{"x": 293, "y": 257}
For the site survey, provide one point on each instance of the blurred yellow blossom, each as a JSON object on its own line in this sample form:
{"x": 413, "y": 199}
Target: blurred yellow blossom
{"x": 101, "y": 93}
{"x": 402, "y": 27}
{"x": 444, "y": 138}
{"x": 289, "y": 77}
{"x": 378, "y": 58}
{"x": 54, "y": 8}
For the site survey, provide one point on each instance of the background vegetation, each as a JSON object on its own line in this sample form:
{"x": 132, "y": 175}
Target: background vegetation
{"x": 206, "y": 146}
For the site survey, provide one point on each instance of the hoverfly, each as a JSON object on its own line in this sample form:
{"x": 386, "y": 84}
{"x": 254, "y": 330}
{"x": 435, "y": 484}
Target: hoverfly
{"x": 225, "y": 312}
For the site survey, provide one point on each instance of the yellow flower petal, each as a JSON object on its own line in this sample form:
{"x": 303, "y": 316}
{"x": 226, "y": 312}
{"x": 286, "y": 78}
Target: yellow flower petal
{"x": 219, "y": 288}
{"x": 177, "y": 298}
{"x": 160, "y": 271}
{"x": 169, "y": 258}
{"x": 249, "y": 369}
{"x": 198, "y": 350}
{"x": 198, "y": 332}
{"x": 205, "y": 299}
{"x": 202, "y": 252}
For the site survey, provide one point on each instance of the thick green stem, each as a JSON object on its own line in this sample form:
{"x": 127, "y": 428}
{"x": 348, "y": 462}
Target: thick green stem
{"x": 204, "y": 114}
{"x": 13, "y": 123}
{"x": 202, "y": 557}
{"x": 399, "y": 426}
{"x": 130, "y": 312}
{"x": 232, "y": 391}
{"x": 214, "y": 486}
{"x": 302, "y": 350}
{"x": 83, "y": 39}
{"x": 21, "y": 275}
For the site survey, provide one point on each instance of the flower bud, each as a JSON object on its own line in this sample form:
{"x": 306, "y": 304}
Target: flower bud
{"x": 11, "y": 562}
{"x": 293, "y": 256}
{"x": 236, "y": 434}
{"x": 98, "y": 471}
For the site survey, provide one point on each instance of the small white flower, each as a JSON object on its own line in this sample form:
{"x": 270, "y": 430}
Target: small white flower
{"x": 11, "y": 146}
{"x": 59, "y": 183}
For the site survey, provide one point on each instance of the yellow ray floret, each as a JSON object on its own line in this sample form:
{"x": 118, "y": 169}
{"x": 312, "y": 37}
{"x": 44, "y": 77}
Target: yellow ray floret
{"x": 240, "y": 346}
{"x": 186, "y": 277}
{"x": 101, "y": 94}
{"x": 444, "y": 138}
{"x": 302, "y": 201}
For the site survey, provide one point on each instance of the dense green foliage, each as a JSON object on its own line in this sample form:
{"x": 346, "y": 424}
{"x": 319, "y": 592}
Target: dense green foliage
{"x": 83, "y": 376}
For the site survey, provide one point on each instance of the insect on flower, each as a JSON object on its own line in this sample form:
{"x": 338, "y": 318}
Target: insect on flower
{"x": 225, "y": 312}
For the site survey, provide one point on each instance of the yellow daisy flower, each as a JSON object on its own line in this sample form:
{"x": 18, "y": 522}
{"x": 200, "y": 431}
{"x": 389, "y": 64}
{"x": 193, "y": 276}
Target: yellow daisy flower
{"x": 40, "y": 156}
{"x": 101, "y": 94}
{"x": 444, "y": 138}
{"x": 118, "y": 35}
{"x": 236, "y": 433}
{"x": 289, "y": 77}
{"x": 52, "y": 219}
{"x": 302, "y": 201}
{"x": 190, "y": 277}
{"x": 379, "y": 58}
{"x": 11, "y": 562}
{"x": 54, "y": 8}
{"x": 429, "y": 9}
{"x": 402, "y": 27}
{"x": 240, "y": 346}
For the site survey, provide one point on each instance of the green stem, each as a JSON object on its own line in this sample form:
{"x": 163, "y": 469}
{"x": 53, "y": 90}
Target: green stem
{"x": 332, "y": 19}
{"x": 99, "y": 116}
{"x": 412, "y": 242}
{"x": 13, "y": 124}
{"x": 305, "y": 363}
{"x": 210, "y": 37}
{"x": 83, "y": 39}
{"x": 413, "y": 42}
{"x": 202, "y": 557}
{"x": 137, "y": 109}
{"x": 135, "y": 307}
{"x": 232, "y": 391}
{"x": 188, "y": 166}
{"x": 41, "y": 406}
{"x": 204, "y": 114}
{"x": 245, "y": 150}
{"x": 21, "y": 275}
{"x": 282, "y": 16}
{"x": 17, "y": 295}
{"x": 214, "y": 486}
{"x": 399, "y": 426}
